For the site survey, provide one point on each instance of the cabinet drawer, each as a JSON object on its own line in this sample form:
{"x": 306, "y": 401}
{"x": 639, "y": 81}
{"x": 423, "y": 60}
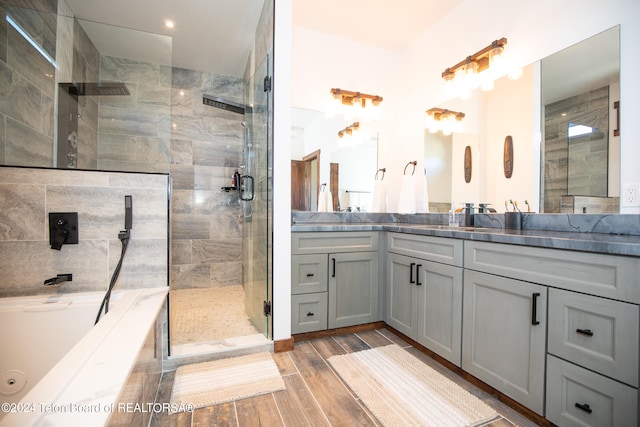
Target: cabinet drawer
{"x": 309, "y": 273}
{"x": 578, "y": 397}
{"x": 438, "y": 249}
{"x": 308, "y": 312}
{"x": 599, "y": 334}
{"x": 332, "y": 242}
{"x": 608, "y": 276}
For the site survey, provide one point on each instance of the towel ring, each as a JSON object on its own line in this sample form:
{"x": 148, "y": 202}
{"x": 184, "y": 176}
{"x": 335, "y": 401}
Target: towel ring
{"x": 414, "y": 163}
{"x": 383, "y": 170}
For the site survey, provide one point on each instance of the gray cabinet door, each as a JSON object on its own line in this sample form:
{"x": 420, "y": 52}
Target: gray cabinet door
{"x": 353, "y": 288}
{"x": 503, "y": 335}
{"x": 401, "y": 302}
{"x": 439, "y": 298}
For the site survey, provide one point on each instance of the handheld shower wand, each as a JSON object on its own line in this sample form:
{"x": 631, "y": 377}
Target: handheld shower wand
{"x": 128, "y": 212}
{"x": 124, "y": 236}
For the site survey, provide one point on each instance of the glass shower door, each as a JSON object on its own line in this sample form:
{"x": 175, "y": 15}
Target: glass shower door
{"x": 257, "y": 212}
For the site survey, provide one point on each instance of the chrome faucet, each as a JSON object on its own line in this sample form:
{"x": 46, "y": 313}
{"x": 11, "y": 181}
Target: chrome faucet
{"x": 60, "y": 278}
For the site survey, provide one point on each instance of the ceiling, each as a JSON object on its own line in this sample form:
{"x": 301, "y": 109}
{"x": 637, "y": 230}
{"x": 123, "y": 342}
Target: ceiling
{"x": 209, "y": 35}
{"x": 376, "y": 22}
{"x": 217, "y": 35}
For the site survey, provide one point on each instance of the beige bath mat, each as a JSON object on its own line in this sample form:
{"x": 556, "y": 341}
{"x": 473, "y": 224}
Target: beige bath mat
{"x": 400, "y": 390}
{"x": 225, "y": 380}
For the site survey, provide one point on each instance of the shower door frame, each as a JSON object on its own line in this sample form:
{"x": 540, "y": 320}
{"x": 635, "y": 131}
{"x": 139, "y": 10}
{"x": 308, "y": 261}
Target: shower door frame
{"x": 258, "y": 214}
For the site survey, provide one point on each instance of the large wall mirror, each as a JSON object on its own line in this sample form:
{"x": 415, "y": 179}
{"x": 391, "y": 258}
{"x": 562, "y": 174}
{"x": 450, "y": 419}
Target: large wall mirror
{"x": 562, "y": 118}
{"x": 323, "y": 162}
{"x": 580, "y": 89}
{"x": 78, "y": 94}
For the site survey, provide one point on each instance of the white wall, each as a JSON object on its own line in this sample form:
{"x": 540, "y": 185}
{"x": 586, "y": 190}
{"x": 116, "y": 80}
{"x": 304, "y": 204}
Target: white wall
{"x": 322, "y": 62}
{"x": 507, "y": 114}
{"x": 282, "y": 170}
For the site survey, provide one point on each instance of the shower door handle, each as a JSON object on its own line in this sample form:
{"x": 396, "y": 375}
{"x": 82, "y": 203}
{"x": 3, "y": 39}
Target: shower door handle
{"x": 246, "y": 188}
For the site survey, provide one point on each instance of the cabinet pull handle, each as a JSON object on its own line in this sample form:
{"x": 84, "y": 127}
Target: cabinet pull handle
{"x": 585, "y": 407}
{"x": 413, "y": 264}
{"x": 310, "y": 274}
{"x": 587, "y": 332}
{"x": 418, "y": 267}
{"x": 333, "y": 263}
{"x": 534, "y": 308}
{"x": 310, "y": 313}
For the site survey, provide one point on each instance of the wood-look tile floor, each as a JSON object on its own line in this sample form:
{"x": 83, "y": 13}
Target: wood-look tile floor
{"x": 314, "y": 395}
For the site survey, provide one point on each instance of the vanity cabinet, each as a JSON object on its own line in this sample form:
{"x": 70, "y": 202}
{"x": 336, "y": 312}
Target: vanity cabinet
{"x": 334, "y": 280}
{"x": 593, "y": 326}
{"x": 424, "y": 297}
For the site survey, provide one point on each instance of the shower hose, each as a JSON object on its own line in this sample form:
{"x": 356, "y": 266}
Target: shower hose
{"x": 124, "y": 238}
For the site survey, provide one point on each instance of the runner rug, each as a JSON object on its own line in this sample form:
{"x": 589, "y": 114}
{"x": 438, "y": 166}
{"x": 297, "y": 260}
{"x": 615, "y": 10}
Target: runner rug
{"x": 400, "y": 390}
{"x": 225, "y": 380}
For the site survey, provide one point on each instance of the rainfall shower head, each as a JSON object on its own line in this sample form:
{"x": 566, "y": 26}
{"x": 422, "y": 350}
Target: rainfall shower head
{"x": 94, "y": 89}
{"x": 222, "y": 104}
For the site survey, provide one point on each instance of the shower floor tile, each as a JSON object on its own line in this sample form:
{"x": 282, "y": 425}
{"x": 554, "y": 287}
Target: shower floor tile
{"x": 210, "y": 317}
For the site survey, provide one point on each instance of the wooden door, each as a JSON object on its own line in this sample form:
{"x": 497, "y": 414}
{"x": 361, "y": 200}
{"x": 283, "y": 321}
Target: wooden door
{"x": 300, "y": 191}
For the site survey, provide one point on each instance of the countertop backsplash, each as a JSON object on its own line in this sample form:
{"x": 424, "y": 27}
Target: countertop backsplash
{"x": 618, "y": 224}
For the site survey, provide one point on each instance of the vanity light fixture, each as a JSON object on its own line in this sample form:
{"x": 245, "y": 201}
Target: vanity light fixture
{"x": 349, "y": 129}
{"x": 478, "y": 70}
{"x": 347, "y": 97}
{"x": 352, "y": 105}
{"x": 440, "y": 119}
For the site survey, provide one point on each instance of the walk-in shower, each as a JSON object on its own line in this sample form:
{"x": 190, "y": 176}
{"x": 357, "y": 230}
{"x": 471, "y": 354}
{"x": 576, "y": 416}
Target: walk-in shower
{"x": 228, "y": 310}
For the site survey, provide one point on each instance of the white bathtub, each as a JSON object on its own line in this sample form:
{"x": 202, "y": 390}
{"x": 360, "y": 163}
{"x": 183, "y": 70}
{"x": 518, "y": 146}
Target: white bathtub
{"x": 57, "y": 369}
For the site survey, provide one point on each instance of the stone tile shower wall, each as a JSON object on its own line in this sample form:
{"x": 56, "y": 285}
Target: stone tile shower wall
{"x": 27, "y": 195}
{"x": 134, "y": 130}
{"x": 589, "y": 204}
{"x": 559, "y": 161}
{"x": 27, "y": 86}
{"x": 206, "y": 148}
{"x": 161, "y": 127}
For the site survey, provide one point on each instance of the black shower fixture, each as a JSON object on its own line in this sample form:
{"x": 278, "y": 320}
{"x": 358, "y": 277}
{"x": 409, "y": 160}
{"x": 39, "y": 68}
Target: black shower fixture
{"x": 95, "y": 89}
{"x": 222, "y": 104}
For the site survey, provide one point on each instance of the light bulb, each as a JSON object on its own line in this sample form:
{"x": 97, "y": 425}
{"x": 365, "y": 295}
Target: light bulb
{"x": 487, "y": 82}
{"x": 515, "y": 74}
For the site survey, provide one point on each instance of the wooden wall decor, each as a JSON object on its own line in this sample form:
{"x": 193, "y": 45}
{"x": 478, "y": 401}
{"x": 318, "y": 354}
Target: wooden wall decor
{"x": 468, "y": 163}
{"x": 508, "y": 156}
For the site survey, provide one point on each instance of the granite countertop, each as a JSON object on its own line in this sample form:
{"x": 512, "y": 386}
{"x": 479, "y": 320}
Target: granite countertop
{"x": 605, "y": 243}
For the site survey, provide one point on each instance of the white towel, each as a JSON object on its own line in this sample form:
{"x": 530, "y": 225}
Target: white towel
{"x": 424, "y": 195}
{"x": 322, "y": 202}
{"x": 328, "y": 201}
{"x": 407, "y": 204}
{"x": 379, "y": 199}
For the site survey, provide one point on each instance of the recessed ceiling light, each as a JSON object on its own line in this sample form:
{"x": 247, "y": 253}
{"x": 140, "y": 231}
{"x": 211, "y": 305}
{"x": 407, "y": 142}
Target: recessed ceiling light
{"x": 169, "y": 23}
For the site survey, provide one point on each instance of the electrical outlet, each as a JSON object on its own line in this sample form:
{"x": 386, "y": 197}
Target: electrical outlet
{"x": 630, "y": 194}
